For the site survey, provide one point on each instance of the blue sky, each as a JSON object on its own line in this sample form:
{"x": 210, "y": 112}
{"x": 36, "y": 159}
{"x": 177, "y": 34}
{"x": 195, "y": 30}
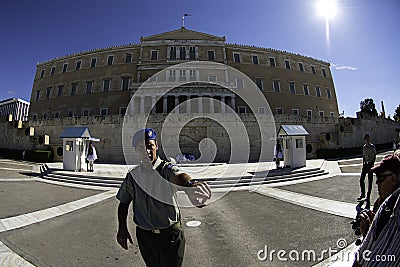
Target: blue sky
{"x": 363, "y": 47}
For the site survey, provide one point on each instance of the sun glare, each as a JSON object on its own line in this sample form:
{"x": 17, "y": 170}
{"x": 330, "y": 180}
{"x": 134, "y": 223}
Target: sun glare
{"x": 327, "y": 8}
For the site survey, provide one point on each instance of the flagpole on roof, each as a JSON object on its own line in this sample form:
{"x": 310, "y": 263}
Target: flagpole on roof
{"x": 183, "y": 19}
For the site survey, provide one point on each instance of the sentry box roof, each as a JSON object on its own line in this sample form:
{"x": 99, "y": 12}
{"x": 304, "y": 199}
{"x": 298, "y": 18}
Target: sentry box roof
{"x": 292, "y": 130}
{"x": 78, "y": 132}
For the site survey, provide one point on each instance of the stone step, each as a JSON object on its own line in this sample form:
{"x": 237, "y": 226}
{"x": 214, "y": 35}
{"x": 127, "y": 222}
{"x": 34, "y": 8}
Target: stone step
{"x": 115, "y": 182}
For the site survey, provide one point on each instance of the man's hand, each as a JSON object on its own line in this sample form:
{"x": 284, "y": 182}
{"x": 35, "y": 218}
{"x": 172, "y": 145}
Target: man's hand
{"x": 199, "y": 193}
{"x": 122, "y": 238}
{"x": 366, "y": 217}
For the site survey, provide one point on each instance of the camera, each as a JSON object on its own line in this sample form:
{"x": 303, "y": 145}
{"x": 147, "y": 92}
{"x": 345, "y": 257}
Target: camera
{"x": 356, "y": 223}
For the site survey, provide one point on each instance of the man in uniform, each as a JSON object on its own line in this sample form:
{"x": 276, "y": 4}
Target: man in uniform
{"x": 152, "y": 187}
{"x": 369, "y": 156}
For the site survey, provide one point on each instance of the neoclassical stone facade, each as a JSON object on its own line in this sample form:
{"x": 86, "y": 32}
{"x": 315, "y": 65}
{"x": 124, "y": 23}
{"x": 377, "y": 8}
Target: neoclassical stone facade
{"x": 102, "y": 81}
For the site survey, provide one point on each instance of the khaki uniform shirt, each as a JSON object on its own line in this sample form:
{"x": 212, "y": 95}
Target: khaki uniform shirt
{"x": 369, "y": 153}
{"x": 152, "y": 194}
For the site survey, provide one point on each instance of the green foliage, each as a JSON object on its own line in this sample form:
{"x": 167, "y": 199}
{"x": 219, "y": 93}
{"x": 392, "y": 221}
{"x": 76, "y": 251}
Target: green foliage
{"x": 368, "y": 106}
{"x": 396, "y": 115}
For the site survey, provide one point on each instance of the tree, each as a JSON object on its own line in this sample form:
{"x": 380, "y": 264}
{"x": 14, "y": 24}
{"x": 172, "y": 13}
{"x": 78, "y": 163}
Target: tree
{"x": 396, "y": 115}
{"x": 368, "y": 106}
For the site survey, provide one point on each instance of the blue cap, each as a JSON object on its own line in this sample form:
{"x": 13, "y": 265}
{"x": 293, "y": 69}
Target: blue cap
{"x": 145, "y": 134}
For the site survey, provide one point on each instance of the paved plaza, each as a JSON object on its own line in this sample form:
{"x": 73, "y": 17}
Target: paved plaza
{"x": 50, "y": 223}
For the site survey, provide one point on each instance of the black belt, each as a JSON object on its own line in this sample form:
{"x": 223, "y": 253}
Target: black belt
{"x": 176, "y": 226}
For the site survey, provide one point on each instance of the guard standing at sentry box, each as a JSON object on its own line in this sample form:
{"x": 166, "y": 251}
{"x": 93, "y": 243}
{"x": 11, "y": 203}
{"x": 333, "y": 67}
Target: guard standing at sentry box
{"x": 152, "y": 187}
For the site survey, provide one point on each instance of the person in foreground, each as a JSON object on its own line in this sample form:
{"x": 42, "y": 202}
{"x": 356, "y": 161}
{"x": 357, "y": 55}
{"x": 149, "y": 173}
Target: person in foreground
{"x": 383, "y": 238}
{"x": 152, "y": 187}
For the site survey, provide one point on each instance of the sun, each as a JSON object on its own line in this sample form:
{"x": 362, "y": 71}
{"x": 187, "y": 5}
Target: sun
{"x": 327, "y": 8}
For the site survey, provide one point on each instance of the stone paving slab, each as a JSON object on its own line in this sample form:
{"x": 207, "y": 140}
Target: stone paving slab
{"x": 339, "y": 188}
{"x": 23, "y": 197}
{"x": 229, "y": 234}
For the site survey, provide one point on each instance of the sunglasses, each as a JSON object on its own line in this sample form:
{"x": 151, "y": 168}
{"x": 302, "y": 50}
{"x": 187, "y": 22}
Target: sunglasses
{"x": 380, "y": 178}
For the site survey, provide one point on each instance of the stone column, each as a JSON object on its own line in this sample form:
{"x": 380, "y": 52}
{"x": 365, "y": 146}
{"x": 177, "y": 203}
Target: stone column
{"x": 223, "y": 104}
{"x": 176, "y": 104}
{"x": 153, "y": 102}
{"x": 211, "y": 104}
{"x": 200, "y": 104}
{"x": 188, "y": 105}
{"x": 141, "y": 105}
{"x": 165, "y": 104}
{"x": 233, "y": 102}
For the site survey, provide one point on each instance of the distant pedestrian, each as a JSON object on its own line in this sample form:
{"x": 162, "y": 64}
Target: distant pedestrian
{"x": 278, "y": 154}
{"x": 369, "y": 156}
{"x": 91, "y": 156}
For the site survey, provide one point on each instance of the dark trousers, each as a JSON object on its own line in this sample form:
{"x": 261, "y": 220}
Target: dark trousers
{"x": 366, "y": 170}
{"x": 165, "y": 249}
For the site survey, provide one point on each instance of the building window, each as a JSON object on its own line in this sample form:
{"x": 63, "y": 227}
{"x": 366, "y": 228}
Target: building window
{"x": 301, "y": 67}
{"x": 276, "y": 85}
{"x": 332, "y": 114}
{"x": 236, "y": 57}
{"x": 106, "y": 85}
{"x": 299, "y": 143}
{"x": 73, "y": 88}
{"x": 125, "y": 83}
{"x": 37, "y": 95}
{"x": 272, "y": 62}
{"x": 60, "y": 90}
{"x": 295, "y": 112}
{"x": 182, "y": 53}
{"x": 212, "y": 78}
{"x": 42, "y": 74}
{"x": 309, "y": 113}
{"x": 110, "y": 60}
{"x": 287, "y": 64}
{"x": 70, "y": 113}
{"x": 89, "y": 86}
{"x": 317, "y": 91}
{"x": 93, "y": 63}
{"x": 328, "y": 93}
{"x": 279, "y": 111}
{"x": 241, "y": 109}
{"x": 44, "y": 116}
{"x": 192, "y": 75}
{"x": 260, "y": 83}
{"x": 34, "y": 117}
{"x": 172, "y": 75}
{"x": 172, "y": 53}
{"x": 305, "y": 87}
{"x": 192, "y": 53}
{"x": 324, "y": 72}
{"x": 182, "y": 75}
{"x": 313, "y": 70}
{"x": 255, "y": 59}
{"x": 69, "y": 145}
{"x": 56, "y": 114}
{"x": 239, "y": 83}
{"x": 48, "y": 92}
{"x": 78, "y": 65}
{"x": 292, "y": 88}
{"x": 122, "y": 110}
{"x": 154, "y": 55}
{"x": 261, "y": 110}
{"x": 86, "y": 112}
{"x": 211, "y": 55}
{"x": 103, "y": 111}
{"x": 321, "y": 115}
{"x": 65, "y": 67}
{"x": 128, "y": 58}
{"x": 53, "y": 70}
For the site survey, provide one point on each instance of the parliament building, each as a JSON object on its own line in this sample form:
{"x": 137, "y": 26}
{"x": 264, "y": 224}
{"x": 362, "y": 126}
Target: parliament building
{"x": 101, "y": 82}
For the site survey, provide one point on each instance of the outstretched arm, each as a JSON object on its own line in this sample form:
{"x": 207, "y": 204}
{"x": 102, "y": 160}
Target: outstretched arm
{"x": 197, "y": 191}
{"x": 123, "y": 234}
